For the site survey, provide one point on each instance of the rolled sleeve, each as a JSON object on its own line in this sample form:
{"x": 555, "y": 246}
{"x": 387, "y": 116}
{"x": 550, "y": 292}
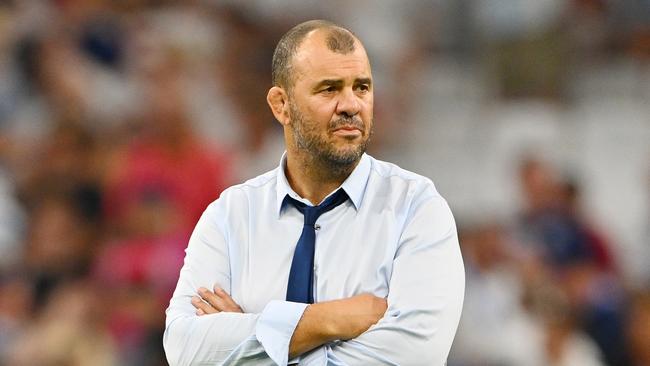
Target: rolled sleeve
{"x": 275, "y": 328}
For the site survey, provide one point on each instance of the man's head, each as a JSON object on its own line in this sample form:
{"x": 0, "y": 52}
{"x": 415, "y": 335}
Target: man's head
{"x": 322, "y": 93}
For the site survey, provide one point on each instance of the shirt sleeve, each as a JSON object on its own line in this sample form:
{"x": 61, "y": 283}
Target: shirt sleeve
{"x": 222, "y": 338}
{"x": 425, "y": 297}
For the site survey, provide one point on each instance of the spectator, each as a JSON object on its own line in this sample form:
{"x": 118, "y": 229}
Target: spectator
{"x": 69, "y": 330}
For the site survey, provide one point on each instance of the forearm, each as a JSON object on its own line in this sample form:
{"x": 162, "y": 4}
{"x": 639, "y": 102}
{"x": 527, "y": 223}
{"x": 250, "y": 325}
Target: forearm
{"x": 404, "y": 339}
{"x": 425, "y": 332}
{"x": 333, "y": 320}
{"x": 316, "y": 327}
{"x": 220, "y": 337}
{"x": 191, "y": 339}
{"x": 411, "y": 332}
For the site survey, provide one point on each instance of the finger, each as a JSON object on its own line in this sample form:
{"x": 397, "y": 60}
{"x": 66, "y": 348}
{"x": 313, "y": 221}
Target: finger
{"x": 202, "y": 308}
{"x": 230, "y": 304}
{"x": 215, "y": 301}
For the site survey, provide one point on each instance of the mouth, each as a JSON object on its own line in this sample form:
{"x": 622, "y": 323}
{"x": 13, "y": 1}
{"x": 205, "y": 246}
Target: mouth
{"x": 347, "y": 131}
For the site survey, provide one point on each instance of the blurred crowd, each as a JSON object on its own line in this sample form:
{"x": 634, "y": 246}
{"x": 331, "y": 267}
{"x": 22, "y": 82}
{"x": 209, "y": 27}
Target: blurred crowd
{"x": 121, "y": 120}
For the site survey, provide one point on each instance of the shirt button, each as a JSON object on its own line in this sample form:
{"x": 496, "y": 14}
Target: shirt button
{"x": 316, "y": 227}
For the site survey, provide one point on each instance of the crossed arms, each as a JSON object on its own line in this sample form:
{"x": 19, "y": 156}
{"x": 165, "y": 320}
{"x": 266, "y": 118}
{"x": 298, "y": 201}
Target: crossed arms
{"x": 414, "y": 325}
{"x": 320, "y": 323}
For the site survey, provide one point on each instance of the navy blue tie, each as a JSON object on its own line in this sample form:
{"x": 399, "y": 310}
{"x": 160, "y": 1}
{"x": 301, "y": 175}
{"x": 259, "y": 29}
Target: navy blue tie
{"x": 301, "y": 276}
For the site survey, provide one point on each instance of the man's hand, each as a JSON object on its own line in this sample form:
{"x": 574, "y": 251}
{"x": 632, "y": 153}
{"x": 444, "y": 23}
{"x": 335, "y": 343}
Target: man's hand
{"x": 209, "y": 302}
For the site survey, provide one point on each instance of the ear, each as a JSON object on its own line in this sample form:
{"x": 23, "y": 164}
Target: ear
{"x": 278, "y": 100}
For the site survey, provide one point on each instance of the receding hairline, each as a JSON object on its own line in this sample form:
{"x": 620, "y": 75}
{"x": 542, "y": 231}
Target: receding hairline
{"x": 337, "y": 39}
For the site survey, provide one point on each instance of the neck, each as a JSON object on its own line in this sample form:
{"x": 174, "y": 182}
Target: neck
{"x": 314, "y": 179}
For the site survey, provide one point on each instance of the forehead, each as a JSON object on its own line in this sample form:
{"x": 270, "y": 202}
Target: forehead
{"x": 314, "y": 61}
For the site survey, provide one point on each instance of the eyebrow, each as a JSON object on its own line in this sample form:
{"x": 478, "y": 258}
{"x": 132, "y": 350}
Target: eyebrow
{"x": 339, "y": 83}
{"x": 328, "y": 82}
{"x": 363, "y": 81}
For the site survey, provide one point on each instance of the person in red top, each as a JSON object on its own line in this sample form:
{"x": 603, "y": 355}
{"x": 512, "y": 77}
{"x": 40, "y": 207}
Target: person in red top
{"x": 166, "y": 167}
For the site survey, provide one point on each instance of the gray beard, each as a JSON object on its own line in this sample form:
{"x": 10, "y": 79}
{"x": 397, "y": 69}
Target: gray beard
{"x": 323, "y": 154}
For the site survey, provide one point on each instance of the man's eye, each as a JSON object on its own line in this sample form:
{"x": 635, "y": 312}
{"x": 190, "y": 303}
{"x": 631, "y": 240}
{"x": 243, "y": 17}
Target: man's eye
{"x": 363, "y": 87}
{"x": 330, "y": 89}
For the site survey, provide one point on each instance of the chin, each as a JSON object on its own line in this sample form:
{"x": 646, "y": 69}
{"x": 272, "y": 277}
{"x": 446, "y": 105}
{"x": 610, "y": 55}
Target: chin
{"x": 346, "y": 156}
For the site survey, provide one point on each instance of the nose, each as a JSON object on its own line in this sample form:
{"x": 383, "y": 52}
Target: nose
{"x": 348, "y": 103}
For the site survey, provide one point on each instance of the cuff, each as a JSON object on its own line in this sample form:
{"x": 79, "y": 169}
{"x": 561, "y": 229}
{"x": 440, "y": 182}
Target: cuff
{"x": 275, "y": 328}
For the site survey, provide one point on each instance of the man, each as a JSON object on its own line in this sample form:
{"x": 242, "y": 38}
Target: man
{"x": 333, "y": 258}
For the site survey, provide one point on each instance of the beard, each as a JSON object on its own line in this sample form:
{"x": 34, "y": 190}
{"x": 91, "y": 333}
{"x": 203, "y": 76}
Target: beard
{"x": 307, "y": 137}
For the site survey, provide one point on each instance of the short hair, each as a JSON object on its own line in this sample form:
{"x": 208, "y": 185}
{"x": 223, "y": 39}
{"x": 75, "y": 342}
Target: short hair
{"x": 338, "y": 40}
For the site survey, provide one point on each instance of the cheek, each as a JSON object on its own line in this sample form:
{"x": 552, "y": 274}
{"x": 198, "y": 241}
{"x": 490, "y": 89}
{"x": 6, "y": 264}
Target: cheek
{"x": 322, "y": 115}
{"x": 325, "y": 109}
{"x": 367, "y": 114}
{"x": 368, "y": 107}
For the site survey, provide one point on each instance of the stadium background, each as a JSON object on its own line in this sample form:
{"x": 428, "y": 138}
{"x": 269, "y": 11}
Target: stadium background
{"x": 121, "y": 120}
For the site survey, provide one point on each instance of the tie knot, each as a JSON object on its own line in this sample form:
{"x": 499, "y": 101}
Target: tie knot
{"x": 312, "y": 213}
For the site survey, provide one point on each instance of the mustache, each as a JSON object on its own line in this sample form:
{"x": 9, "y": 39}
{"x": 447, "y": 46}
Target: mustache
{"x": 347, "y": 122}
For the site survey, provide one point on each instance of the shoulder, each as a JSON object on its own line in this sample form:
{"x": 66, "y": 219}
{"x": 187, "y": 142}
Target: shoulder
{"x": 397, "y": 179}
{"x": 414, "y": 198}
{"x": 262, "y": 182}
{"x": 231, "y": 211}
{"x": 251, "y": 190}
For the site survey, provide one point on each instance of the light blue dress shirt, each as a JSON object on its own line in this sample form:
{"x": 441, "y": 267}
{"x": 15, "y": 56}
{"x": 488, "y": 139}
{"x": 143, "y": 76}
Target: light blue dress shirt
{"x": 395, "y": 238}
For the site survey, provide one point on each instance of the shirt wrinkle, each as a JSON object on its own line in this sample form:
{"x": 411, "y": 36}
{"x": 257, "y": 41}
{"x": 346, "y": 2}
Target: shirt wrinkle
{"x": 247, "y": 238}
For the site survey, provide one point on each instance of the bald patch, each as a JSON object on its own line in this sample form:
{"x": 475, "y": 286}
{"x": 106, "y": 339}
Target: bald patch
{"x": 337, "y": 39}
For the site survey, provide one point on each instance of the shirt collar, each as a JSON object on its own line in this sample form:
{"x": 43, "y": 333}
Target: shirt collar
{"x": 354, "y": 185}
